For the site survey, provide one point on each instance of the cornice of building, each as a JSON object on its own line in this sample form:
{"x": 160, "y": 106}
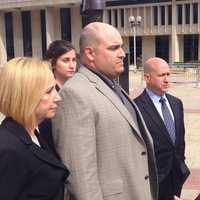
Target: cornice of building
{"x": 31, "y": 4}
{"x": 132, "y": 2}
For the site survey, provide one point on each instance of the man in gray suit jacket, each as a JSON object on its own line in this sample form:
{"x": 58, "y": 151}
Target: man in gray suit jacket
{"x": 98, "y": 132}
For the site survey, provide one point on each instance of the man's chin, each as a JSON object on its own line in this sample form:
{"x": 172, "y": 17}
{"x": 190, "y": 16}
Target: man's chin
{"x": 120, "y": 72}
{"x": 165, "y": 90}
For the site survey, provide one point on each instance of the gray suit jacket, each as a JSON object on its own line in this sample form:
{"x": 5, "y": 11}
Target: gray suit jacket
{"x": 101, "y": 145}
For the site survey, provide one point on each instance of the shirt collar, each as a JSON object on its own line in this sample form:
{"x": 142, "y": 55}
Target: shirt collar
{"x": 154, "y": 96}
{"x": 108, "y": 81}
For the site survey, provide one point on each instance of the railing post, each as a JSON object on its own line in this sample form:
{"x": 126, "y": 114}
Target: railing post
{"x": 197, "y": 76}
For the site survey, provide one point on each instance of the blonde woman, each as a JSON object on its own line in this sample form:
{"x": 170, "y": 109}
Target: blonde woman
{"x": 28, "y": 170}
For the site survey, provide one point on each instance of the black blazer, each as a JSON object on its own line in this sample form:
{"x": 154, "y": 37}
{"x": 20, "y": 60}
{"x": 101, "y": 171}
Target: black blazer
{"x": 27, "y": 171}
{"x": 168, "y": 156}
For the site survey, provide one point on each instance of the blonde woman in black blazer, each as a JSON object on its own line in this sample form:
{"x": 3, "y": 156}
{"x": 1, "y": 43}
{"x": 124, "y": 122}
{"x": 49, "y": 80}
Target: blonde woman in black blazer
{"x": 28, "y": 169}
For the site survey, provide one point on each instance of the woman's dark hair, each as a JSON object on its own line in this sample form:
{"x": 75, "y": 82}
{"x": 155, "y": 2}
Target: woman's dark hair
{"x": 56, "y": 49}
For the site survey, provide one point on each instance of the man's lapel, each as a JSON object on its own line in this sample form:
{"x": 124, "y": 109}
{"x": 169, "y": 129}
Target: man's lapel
{"x": 151, "y": 110}
{"x": 113, "y": 98}
{"x": 149, "y": 107}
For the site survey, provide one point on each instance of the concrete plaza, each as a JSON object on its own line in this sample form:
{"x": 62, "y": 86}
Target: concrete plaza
{"x": 183, "y": 86}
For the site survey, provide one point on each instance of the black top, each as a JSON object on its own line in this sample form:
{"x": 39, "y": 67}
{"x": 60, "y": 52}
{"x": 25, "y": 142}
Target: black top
{"x": 28, "y": 171}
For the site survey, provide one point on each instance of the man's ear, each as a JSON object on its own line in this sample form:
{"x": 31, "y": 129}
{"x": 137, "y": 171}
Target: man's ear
{"x": 89, "y": 52}
{"x": 146, "y": 77}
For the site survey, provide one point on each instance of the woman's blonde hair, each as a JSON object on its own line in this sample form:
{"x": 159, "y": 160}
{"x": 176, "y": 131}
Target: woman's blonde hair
{"x": 23, "y": 82}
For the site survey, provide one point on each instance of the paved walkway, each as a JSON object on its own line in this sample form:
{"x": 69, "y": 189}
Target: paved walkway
{"x": 183, "y": 86}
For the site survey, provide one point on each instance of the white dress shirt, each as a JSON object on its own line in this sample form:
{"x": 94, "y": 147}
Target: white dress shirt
{"x": 155, "y": 99}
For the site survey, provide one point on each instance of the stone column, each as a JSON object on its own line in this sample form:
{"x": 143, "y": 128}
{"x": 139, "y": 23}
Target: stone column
{"x": 3, "y": 54}
{"x": 17, "y": 34}
{"x": 181, "y": 47}
{"x": 174, "y": 37}
{"x": 148, "y": 47}
{"x": 76, "y": 26}
{"x": 36, "y": 34}
{"x": 53, "y": 27}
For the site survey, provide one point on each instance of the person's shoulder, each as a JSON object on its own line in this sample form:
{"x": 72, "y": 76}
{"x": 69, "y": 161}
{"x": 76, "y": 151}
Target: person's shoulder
{"x": 5, "y": 135}
{"x": 10, "y": 144}
{"x": 80, "y": 82}
{"x": 139, "y": 97}
{"x": 10, "y": 134}
{"x": 172, "y": 97}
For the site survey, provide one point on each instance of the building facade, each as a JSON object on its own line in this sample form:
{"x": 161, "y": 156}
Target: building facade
{"x": 28, "y": 26}
{"x": 169, "y": 28}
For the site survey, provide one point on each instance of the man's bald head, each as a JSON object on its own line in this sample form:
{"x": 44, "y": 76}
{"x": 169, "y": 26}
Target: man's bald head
{"x": 157, "y": 75}
{"x": 94, "y": 33}
{"x": 153, "y": 64}
{"x": 101, "y": 49}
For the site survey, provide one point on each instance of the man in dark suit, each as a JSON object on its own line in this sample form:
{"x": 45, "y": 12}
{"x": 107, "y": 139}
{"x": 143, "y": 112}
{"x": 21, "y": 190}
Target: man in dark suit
{"x": 163, "y": 115}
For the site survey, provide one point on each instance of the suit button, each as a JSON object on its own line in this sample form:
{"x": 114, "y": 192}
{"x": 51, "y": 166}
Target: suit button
{"x": 146, "y": 177}
{"x": 143, "y": 153}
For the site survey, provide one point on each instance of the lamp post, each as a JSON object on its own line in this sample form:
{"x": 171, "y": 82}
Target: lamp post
{"x": 134, "y": 22}
{"x": 92, "y": 10}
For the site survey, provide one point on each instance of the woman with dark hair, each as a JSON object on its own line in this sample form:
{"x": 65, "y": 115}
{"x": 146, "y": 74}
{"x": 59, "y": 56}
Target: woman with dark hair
{"x": 62, "y": 56}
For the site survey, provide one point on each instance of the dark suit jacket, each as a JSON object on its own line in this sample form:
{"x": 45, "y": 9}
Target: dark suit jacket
{"x": 27, "y": 171}
{"x": 168, "y": 155}
{"x": 198, "y": 197}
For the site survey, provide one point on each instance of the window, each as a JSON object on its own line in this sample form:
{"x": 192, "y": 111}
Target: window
{"x": 190, "y": 48}
{"x": 162, "y": 47}
{"x": 122, "y": 17}
{"x": 180, "y": 14}
{"x": 43, "y": 32}
{"x": 169, "y": 15}
{"x": 109, "y": 17}
{"x": 187, "y": 13}
{"x": 162, "y": 15}
{"x": 26, "y": 31}
{"x": 116, "y": 18}
{"x": 138, "y": 49}
{"x": 155, "y": 13}
{"x": 65, "y": 18}
{"x": 195, "y": 13}
{"x": 9, "y": 35}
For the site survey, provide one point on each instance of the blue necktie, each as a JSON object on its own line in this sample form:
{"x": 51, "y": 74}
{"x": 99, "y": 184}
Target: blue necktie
{"x": 168, "y": 121}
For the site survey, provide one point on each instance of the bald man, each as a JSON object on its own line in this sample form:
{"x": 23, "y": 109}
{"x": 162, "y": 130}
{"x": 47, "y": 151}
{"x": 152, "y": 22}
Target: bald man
{"x": 98, "y": 132}
{"x": 163, "y": 115}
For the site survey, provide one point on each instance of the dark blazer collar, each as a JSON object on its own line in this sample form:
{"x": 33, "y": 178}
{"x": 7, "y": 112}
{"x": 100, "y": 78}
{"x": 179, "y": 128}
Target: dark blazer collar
{"x": 17, "y": 129}
{"x": 20, "y": 132}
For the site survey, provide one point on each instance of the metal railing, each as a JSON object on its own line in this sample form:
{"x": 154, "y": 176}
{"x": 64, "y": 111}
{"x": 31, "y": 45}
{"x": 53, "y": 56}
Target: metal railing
{"x": 191, "y": 71}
